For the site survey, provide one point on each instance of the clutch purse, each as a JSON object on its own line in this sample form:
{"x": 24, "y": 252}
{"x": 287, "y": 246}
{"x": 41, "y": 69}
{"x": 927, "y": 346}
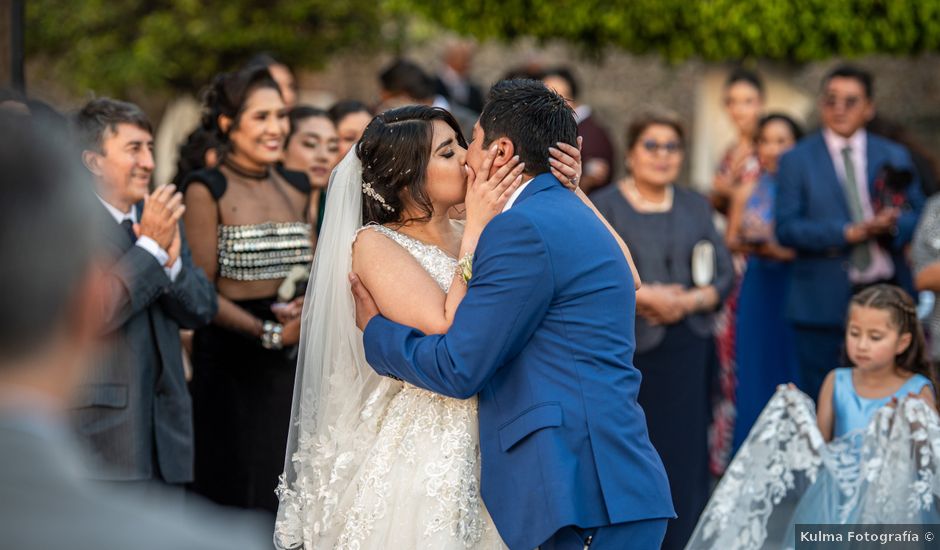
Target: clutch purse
{"x": 703, "y": 263}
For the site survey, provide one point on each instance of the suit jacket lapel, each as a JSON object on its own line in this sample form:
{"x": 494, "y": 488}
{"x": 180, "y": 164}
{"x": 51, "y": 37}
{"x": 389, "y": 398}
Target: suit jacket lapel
{"x": 875, "y": 158}
{"x": 114, "y": 234}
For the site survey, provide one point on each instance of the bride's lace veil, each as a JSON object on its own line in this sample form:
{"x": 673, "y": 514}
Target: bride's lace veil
{"x": 335, "y": 392}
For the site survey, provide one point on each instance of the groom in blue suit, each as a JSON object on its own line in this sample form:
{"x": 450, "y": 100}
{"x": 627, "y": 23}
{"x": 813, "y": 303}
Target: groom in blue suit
{"x": 545, "y": 337}
{"x": 826, "y": 212}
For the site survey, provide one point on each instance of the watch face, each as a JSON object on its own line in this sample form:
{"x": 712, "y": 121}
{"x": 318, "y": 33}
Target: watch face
{"x": 703, "y": 263}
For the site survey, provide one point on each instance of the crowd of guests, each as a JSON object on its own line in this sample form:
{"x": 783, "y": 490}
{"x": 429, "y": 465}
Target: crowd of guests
{"x": 211, "y": 269}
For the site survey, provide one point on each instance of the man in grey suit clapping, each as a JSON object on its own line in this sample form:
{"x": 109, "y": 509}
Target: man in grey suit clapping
{"x": 54, "y": 291}
{"x": 134, "y": 412}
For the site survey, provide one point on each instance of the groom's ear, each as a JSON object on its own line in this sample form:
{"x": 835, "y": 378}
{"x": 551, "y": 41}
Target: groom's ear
{"x": 505, "y": 150}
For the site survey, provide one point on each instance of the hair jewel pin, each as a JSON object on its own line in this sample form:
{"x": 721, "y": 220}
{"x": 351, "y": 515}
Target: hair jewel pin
{"x": 371, "y": 193}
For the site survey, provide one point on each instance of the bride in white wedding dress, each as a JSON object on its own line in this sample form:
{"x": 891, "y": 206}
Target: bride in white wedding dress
{"x": 372, "y": 462}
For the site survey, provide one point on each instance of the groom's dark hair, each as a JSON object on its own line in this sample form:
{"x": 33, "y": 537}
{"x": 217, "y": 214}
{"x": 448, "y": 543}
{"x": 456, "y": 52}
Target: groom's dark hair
{"x": 532, "y": 117}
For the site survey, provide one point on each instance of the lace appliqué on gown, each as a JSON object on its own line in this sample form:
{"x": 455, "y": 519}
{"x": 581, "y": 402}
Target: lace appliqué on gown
{"x": 785, "y": 474}
{"x": 417, "y": 484}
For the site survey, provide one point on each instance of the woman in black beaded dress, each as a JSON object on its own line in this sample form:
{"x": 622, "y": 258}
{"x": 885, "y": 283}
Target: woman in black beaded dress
{"x": 247, "y": 224}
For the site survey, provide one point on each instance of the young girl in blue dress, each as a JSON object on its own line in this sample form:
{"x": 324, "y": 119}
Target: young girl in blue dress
{"x": 869, "y": 454}
{"x": 885, "y": 344}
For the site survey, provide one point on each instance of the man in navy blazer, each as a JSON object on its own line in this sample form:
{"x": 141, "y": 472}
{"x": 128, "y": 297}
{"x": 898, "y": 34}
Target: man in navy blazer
{"x": 545, "y": 336}
{"x": 826, "y": 211}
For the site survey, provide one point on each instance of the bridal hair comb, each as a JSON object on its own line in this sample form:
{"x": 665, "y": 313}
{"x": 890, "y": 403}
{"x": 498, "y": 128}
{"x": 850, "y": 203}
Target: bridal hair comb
{"x": 370, "y": 192}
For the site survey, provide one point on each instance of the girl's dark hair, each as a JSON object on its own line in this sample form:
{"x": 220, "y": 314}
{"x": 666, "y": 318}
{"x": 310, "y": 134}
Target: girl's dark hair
{"x": 192, "y": 155}
{"x": 903, "y": 316}
{"x": 228, "y": 94}
{"x": 342, "y": 109}
{"x": 300, "y": 113}
{"x": 395, "y": 149}
{"x": 748, "y": 77}
{"x": 767, "y": 119}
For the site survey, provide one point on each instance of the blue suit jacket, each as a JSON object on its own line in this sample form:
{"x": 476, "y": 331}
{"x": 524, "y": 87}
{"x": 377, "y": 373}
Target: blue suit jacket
{"x": 811, "y": 215}
{"x": 545, "y": 335}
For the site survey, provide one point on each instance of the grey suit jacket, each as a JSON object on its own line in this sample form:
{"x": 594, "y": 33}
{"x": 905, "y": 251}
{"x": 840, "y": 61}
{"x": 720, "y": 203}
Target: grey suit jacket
{"x": 134, "y": 414}
{"x": 45, "y": 504}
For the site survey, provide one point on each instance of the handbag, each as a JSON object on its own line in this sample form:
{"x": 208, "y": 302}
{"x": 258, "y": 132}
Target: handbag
{"x": 704, "y": 258}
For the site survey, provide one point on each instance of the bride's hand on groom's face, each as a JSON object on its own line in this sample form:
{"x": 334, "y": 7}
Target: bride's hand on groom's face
{"x": 565, "y": 161}
{"x": 365, "y": 305}
{"x": 489, "y": 190}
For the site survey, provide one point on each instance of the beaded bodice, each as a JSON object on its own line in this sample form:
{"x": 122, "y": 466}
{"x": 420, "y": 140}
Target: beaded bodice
{"x": 263, "y": 251}
{"x": 439, "y": 265}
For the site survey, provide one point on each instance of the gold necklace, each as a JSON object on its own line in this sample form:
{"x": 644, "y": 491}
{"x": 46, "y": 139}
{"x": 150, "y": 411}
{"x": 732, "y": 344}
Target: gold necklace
{"x": 645, "y": 204}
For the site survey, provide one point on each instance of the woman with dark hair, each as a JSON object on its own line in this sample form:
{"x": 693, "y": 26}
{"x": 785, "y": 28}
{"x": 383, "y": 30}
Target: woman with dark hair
{"x": 686, "y": 272}
{"x": 373, "y": 462}
{"x": 764, "y": 346}
{"x": 312, "y": 146}
{"x": 744, "y": 102}
{"x": 248, "y": 228}
{"x": 281, "y": 74}
{"x": 199, "y": 151}
{"x": 350, "y": 118}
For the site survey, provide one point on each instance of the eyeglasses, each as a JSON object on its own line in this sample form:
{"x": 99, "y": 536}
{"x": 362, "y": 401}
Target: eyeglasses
{"x": 670, "y": 147}
{"x": 847, "y": 103}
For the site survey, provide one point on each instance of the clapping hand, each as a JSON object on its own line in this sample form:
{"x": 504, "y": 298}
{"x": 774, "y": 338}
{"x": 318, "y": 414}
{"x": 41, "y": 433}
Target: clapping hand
{"x": 160, "y": 218}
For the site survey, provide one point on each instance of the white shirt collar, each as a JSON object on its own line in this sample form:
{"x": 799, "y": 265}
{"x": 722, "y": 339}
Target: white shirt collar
{"x": 581, "y": 112}
{"x": 515, "y": 195}
{"x": 837, "y": 143}
{"x": 117, "y": 214}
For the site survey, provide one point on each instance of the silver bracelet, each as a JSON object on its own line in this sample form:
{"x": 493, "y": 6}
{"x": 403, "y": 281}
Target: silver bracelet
{"x": 271, "y": 335}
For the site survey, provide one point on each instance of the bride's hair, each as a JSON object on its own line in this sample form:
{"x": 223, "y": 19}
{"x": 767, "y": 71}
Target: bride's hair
{"x": 395, "y": 149}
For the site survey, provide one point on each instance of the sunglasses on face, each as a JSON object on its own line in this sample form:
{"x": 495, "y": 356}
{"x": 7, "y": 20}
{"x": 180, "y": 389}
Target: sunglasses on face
{"x": 670, "y": 147}
{"x": 847, "y": 103}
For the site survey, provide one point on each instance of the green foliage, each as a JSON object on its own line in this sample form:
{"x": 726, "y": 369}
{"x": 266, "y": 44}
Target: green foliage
{"x": 117, "y": 46}
{"x": 715, "y": 30}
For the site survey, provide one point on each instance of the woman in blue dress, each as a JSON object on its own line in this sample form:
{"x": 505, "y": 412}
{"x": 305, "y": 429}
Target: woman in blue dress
{"x": 764, "y": 344}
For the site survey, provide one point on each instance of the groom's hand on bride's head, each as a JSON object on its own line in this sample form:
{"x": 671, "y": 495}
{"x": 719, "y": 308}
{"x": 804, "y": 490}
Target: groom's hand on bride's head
{"x": 365, "y": 305}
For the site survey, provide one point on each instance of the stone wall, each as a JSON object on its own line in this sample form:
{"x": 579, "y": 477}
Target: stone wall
{"x": 907, "y": 90}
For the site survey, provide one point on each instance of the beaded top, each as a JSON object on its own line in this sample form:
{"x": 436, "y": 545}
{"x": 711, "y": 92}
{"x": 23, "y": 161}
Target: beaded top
{"x": 263, "y": 251}
{"x": 439, "y": 265}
